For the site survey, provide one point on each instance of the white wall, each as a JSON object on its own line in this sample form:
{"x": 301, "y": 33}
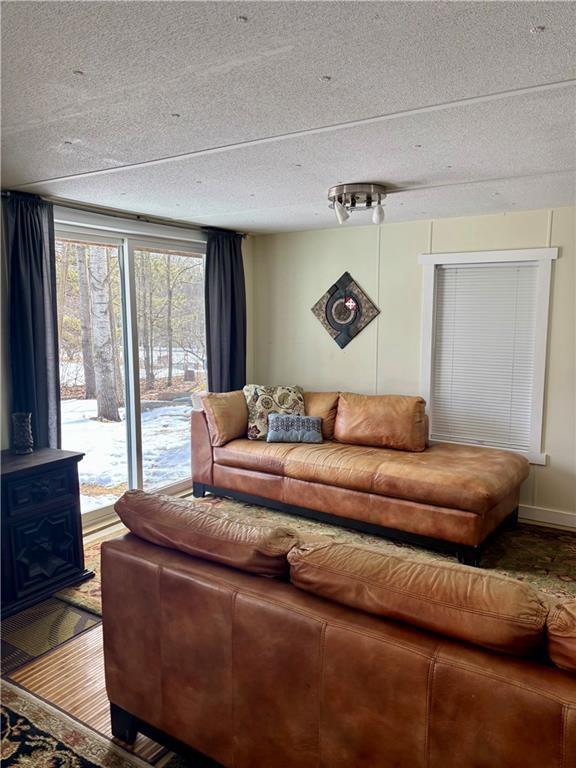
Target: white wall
{"x": 291, "y": 271}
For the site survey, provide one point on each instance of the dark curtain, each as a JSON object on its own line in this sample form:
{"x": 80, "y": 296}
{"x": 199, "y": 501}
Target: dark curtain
{"x": 225, "y": 298}
{"x": 28, "y": 240}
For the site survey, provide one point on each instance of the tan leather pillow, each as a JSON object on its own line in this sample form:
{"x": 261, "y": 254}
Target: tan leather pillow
{"x": 561, "y": 627}
{"x": 469, "y": 604}
{"x": 386, "y": 421}
{"x": 324, "y": 405}
{"x": 192, "y": 527}
{"x": 227, "y": 416}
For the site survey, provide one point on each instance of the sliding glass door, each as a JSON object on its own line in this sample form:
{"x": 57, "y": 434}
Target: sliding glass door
{"x": 171, "y": 358}
{"x": 132, "y": 354}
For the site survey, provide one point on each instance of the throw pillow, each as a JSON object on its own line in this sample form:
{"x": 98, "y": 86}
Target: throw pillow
{"x": 262, "y": 401}
{"x": 294, "y": 429}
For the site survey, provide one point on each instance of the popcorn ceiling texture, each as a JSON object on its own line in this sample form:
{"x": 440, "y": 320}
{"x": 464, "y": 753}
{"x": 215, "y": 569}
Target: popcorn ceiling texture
{"x": 260, "y": 81}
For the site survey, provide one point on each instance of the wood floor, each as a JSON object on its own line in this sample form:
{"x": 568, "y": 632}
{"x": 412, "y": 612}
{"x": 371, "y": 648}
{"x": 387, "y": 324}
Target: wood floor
{"x": 71, "y": 677}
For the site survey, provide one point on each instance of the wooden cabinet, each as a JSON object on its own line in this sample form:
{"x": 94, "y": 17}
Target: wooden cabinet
{"x": 41, "y": 527}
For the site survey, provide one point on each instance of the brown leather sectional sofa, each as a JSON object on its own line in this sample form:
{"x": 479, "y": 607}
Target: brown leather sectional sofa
{"x": 374, "y": 471}
{"x": 262, "y": 652}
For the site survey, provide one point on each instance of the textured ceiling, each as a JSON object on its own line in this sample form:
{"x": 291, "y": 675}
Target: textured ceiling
{"x": 260, "y": 136}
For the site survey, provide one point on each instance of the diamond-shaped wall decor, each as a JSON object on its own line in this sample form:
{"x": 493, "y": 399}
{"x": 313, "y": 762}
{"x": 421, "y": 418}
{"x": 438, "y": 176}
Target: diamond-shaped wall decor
{"x": 345, "y": 310}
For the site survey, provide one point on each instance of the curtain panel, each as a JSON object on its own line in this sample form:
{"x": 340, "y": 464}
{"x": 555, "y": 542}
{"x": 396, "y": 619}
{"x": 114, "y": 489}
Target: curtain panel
{"x": 28, "y": 240}
{"x": 225, "y": 299}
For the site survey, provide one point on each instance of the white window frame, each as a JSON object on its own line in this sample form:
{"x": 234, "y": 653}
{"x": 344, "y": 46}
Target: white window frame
{"x": 543, "y": 257}
{"x": 127, "y": 235}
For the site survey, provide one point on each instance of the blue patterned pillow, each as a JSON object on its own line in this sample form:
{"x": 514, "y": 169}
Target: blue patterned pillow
{"x": 284, "y": 428}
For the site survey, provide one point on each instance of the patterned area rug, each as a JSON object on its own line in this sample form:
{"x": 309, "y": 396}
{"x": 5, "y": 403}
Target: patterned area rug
{"x": 86, "y": 595}
{"x": 37, "y": 630}
{"x": 542, "y": 557}
{"x": 35, "y": 735}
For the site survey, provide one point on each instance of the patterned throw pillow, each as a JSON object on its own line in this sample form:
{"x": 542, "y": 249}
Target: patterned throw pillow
{"x": 294, "y": 429}
{"x": 263, "y": 400}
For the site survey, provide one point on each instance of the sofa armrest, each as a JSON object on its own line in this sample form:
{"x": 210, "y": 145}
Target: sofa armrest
{"x": 202, "y": 458}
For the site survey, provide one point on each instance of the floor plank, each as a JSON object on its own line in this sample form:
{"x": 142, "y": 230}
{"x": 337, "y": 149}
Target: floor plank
{"x": 72, "y": 678}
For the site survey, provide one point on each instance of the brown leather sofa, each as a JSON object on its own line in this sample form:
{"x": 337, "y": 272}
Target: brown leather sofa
{"x": 374, "y": 471}
{"x": 218, "y": 654}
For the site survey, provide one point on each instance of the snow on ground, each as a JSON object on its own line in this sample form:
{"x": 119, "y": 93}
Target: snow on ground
{"x": 165, "y": 447}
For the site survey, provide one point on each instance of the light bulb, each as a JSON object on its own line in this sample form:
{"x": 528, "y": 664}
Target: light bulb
{"x": 341, "y": 213}
{"x": 378, "y": 215}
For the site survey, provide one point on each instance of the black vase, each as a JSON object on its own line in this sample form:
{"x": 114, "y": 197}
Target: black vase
{"x": 22, "y": 440}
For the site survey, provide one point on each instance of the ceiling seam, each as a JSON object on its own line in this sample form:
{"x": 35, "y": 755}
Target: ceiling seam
{"x": 395, "y": 190}
{"x": 469, "y": 101}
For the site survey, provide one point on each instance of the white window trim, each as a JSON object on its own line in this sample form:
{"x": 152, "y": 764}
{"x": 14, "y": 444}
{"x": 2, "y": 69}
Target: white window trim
{"x": 544, "y": 258}
{"x": 74, "y": 218}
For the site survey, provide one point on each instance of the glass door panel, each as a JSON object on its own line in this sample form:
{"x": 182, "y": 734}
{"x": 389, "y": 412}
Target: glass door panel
{"x": 92, "y": 366}
{"x": 169, "y": 289}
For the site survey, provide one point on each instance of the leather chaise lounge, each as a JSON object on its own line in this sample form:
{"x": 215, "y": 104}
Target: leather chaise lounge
{"x": 374, "y": 471}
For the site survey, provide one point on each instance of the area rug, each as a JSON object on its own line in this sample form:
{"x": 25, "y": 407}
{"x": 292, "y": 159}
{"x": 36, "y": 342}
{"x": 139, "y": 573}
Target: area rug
{"x": 542, "y": 557}
{"x": 37, "y": 630}
{"x": 36, "y": 735}
{"x": 86, "y": 595}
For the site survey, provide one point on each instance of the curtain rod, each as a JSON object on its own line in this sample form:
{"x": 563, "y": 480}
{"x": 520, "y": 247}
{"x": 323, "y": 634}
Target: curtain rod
{"x": 120, "y": 214}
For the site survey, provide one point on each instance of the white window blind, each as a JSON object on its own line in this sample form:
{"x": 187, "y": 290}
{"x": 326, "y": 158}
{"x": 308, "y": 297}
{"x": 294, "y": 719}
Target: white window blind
{"x": 484, "y": 353}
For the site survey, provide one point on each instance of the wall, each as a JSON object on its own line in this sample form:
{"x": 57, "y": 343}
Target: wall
{"x": 292, "y": 270}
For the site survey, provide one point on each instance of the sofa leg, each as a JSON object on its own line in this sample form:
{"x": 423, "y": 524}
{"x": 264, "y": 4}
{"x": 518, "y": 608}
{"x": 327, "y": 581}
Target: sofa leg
{"x": 124, "y": 725}
{"x": 198, "y": 490}
{"x": 469, "y": 556}
{"x": 511, "y": 522}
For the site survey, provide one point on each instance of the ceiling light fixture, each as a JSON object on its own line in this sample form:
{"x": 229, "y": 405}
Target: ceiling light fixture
{"x": 378, "y": 215}
{"x": 341, "y": 213}
{"x": 368, "y": 196}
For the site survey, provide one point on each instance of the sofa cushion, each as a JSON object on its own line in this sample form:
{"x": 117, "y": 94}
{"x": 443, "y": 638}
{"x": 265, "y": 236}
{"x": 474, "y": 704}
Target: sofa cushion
{"x": 324, "y": 405}
{"x": 263, "y": 400}
{"x": 294, "y": 429}
{"x": 446, "y": 475}
{"x": 561, "y": 628}
{"x": 226, "y": 414}
{"x": 494, "y": 611}
{"x": 194, "y": 528}
{"x": 388, "y": 421}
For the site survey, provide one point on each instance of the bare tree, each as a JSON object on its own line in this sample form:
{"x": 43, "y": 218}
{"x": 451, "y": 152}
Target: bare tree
{"x": 101, "y": 335}
{"x": 118, "y": 381}
{"x": 169, "y": 329}
{"x": 62, "y": 285}
{"x": 145, "y": 319}
{"x": 85, "y": 323}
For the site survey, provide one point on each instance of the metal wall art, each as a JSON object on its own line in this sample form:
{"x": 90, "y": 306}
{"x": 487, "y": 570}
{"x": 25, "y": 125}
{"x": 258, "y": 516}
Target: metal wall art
{"x": 345, "y": 310}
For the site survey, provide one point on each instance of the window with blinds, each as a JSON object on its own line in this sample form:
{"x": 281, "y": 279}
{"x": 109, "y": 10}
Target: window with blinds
{"x": 484, "y": 353}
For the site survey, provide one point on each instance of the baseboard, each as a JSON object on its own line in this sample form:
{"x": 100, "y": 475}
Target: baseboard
{"x": 552, "y": 518}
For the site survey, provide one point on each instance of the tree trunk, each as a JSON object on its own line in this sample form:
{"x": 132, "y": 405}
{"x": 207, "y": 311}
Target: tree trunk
{"x": 145, "y": 322}
{"x": 169, "y": 330}
{"x": 151, "y": 323}
{"x": 118, "y": 382}
{"x": 101, "y": 336}
{"x": 62, "y": 289}
{"x": 85, "y": 324}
